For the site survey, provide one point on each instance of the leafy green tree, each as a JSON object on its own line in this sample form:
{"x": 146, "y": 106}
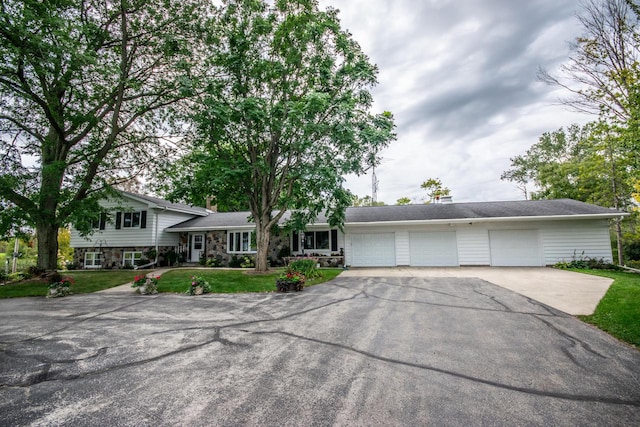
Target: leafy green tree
{"x": 603, "y": 72}
{"x": 289, "y": 119}
{"x": 365, "y": 201}
{"x": 434, "y": 189}
{"x": 403, "y": 201}
{"x": 582, "y": 163}
{"x": 86, "y": 88}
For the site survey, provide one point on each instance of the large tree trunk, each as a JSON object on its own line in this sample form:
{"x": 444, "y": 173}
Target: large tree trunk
{"x": 47, "y": 236}
{"x": 263, "y": 236}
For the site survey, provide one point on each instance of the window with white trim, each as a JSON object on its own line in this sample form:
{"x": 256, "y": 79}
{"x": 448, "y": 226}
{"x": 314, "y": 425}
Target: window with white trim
{"x": 92, "y": 260}
{"x": 130, "y": 258}
{"x": 240, "y": 242}
{"x": 316, "y": 240}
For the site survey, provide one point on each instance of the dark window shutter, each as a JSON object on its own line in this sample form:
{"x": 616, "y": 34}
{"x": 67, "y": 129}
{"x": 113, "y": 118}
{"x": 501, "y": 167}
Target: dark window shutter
{"x": 103, "y": 220}
{"x": 295, "y": 242}
{"x": 334, "y": 240}
{"x": 118, "y": 220}
{"x": 143, "y": 219}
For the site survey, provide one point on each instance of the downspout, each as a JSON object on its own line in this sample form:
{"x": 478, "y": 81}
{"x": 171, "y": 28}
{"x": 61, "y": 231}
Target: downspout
{"x": 155, "y": 261}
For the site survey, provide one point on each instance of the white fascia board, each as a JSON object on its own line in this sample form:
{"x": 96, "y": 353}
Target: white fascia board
{"x": 152, "y": 205}
{"x": 495, "y": 219}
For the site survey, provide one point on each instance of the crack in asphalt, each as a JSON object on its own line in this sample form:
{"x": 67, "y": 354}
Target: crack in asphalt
{"x": 405, "y": 286}
{"x": 463, "y": 307}
{"x": 573, "y": 340}
{"x": 492, "y": 298}
{"x": 77, "y": 322}
{"x": 47, "y": 376}
{"x": 532, "y": 391}
{"x": 216, "y": 338}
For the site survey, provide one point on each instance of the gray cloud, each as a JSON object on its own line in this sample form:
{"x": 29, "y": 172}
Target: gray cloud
{"x": 460, "y": 78}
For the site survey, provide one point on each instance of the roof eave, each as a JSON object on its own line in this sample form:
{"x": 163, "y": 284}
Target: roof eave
{"x": 490, "y": 219}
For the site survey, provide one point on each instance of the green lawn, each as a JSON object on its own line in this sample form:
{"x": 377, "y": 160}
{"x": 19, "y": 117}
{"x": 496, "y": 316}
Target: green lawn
{"x": 86, "y": 282}
{"x": 231, "y": 281}
{"x": 222, "y": 281}
{"x": 618, "y": 313}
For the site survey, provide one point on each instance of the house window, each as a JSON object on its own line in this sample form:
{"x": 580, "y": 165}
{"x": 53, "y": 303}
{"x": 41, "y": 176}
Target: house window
{"x": 136, "y": 219}
{"x": 92, "y": 260}
{"x": 130, "y": 258}
{"x": 241, "y": 242}
{"x": 131, "y": 220}
{"x": 99, "y": 223}
{"x": 316, "y": 240}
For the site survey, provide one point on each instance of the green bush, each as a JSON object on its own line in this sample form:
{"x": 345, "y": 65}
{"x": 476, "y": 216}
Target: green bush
{"x": 305, "y": 266}
{"x": 583, "y": 262}
{"x": 247, "y": 262}
{"x": 214, "y": 262}
{"x": 235, "y": 262}
{"x": 633, "y": 264}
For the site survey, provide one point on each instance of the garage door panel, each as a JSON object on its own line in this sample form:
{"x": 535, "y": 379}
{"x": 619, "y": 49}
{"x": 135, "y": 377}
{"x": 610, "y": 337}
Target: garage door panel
{"x": 373, "y": 250}
{"x": 515, "y": 248}
{"x": 433, "y": 249}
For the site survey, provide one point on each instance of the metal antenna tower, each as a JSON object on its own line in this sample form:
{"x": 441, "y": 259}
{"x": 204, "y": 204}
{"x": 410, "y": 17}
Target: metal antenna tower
{"x": 374, "y": 187}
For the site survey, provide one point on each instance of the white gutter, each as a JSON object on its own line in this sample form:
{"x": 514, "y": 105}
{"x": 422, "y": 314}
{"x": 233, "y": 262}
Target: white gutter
{"x": 216, "y": 227}
{"x": 487, "y": 219}
{"x": 423, "y": 222}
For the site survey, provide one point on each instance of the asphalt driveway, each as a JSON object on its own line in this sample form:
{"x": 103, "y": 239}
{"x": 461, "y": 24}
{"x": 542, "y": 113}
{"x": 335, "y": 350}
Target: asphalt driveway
{"x": 355, "y": 351}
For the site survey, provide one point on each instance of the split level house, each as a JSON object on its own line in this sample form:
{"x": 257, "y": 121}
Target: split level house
{"x": 144, "y": 230}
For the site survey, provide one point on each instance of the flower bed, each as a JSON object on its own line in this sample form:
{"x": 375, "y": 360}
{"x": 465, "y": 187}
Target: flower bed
{"x": 290, "y": 281}
{"x": 145, "y": 285}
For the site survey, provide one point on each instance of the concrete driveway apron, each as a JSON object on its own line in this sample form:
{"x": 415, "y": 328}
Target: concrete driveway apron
{"x": 356, "y": 351}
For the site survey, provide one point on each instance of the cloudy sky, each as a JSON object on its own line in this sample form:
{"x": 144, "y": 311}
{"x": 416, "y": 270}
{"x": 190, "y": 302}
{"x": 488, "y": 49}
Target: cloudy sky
{"x": 460, "y": 78}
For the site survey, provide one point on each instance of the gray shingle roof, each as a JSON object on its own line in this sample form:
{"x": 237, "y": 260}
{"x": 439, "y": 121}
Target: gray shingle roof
{"x": 476, "y": 210}
{"x": 181, "y": 207}
{"x": 430, "y": 212}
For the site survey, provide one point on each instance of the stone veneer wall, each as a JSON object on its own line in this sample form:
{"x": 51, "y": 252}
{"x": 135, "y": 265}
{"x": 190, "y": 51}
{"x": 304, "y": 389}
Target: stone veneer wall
{"x": 217, "y": 246}
{"x": 112, "y": 257}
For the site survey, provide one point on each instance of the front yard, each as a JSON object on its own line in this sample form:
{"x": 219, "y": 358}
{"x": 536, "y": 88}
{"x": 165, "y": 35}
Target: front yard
{"x": 618, "y": 313}
{"x": 178, "y": 280}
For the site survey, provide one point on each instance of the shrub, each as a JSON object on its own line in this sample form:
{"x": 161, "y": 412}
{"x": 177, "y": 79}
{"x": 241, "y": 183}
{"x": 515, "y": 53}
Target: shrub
{"x": 247, "y": 262}
{"x": 583, "y": 262}
{"x": 214, "y": 262}
{"x": 306, "y": 267}
{"x": 235, "y": 262}
{"x": 199, "y": 286}
{"x": 34, "y": 271}
{"x": 633, "y": 264}
{"x": 71, "y": 265}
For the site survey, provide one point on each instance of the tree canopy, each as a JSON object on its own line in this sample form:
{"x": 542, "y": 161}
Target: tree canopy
{"x": 435, "y": 189}
{"x": 290, "y": 117}
{"x": 85, "y": 91}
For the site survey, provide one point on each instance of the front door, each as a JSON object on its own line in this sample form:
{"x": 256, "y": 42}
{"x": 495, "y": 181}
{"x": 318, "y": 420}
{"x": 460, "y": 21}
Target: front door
{"x": 197, "y": 247}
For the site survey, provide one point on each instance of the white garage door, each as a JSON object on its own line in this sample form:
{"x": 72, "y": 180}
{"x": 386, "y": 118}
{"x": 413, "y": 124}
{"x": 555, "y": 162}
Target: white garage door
{"x": 373, "y": 250}
{"x": 515, "y": 248}
{"x": 433, "y": 249}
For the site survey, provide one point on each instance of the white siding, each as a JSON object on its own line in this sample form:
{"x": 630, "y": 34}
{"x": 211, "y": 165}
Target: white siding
{"x": 132, "y": 237}
{"x": 563, "y": 240}
{"x": 403, "y": 255}
{"x": 557, "y": 240}
{"x": 167, "y": 219}
{"x": 473, "y": 246}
